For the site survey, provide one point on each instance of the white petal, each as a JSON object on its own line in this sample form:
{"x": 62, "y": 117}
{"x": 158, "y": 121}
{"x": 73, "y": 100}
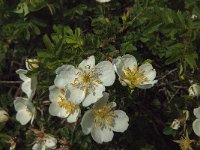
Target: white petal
{"x": 106, "y": 73}
{"x": 102, "y": 101}
{"x": 196, "y": 112}
{"x": 103, "y": 1}
{"x": 147, "y": 85}
{"x": 87, "y": 121}
{"x": 129, "y": 61}
{"x": 124, "y": 62}
{"x": 20, "y": 103}
{"x": 101, "y": 135}
{"x": 23, "y": 116}
{"x": 117, "y": 64}
{"x": 29, "y": 84}
{"x": 121, "y": 121}
{"x": 65, "y": 76}
{"x": 54, "y": 93}
{"x": 26, "y": 87}
{"x": 22, "y": 73}
{"x": 39, "y": 146}
{"x": 73, "y": 117}
{"x": 87, "y": 64}
{"x": 64, "y": 68}
{"x": 55, "y": 110}
{"x": 148, "y": 71}
{"x": 196, "y": 127}
{"x": 75, "y": 95}
{"x": 92, "y": 97}
{"x": 51, "y": 142}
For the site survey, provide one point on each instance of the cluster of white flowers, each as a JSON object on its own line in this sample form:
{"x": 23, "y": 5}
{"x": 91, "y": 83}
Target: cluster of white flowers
{"x": 85, "y": 85}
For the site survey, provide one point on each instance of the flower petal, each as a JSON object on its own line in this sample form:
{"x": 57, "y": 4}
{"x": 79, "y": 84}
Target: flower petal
{"x": 87, "y": 64}
{"x": 124, "y": 62}
{"x": 58, "y": 111}
{"x": 20, "y": 103}
{"x": 196, "y": 127}
{"x": 147, "y": 85}
{"x": 65, "y": 75}
{"x": 121, "y": 121}
{"x": 29, "y": 84}
{"x": 50, "y": 142}
{"x": 39, "y": 146}
{"x": 129, "y": 61}
{"x": 73, "y": 117}
{"x": 102, "y": 101}
{"x": 23, "y": 116}
{"x": 103, "y": 1}
{"x": 92, "y": 97}
{"x": 148, "y": 71}
{"x": 22, "y": 73}
{"x": 75, "y": 95}
{"x": 87, "y": 121}
{"x": 64, "y": 68}
{"x": 101, "y": 135}
{"x": 55, "y": 93}
{"x": 106, "y": 73}
{"x": 196, "y": 112}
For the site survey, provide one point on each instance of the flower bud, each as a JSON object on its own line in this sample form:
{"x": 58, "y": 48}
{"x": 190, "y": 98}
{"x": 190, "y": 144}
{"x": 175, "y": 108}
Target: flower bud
{"x": 175, "y": 124}
{"x": 194, "y": 90}
{"x": 3, "y": 116}
{"x": 32, "y": 64}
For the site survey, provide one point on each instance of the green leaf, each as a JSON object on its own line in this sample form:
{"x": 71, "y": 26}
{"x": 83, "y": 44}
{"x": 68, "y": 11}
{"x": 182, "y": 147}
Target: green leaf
{"x": 49, "y": 45}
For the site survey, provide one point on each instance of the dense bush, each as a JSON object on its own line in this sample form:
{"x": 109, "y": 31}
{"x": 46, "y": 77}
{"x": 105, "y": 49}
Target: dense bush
{"x": 47, "y": 34}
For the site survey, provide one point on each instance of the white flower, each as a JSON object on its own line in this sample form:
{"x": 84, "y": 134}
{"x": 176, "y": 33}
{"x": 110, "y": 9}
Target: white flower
{"x": 61, "y": 107}
{"x": 103, "y": 1}
{"x": 4, "y": 116}
{"x": 102, "y": 120}
{"x": 44, "y": 142}
{"x": 87, "y": 82}
{"x": 133, "y": 76}
{"x": 29, "y": 84}
{"x": 175, "y": 124}
{"x": 194, "y": 16}
{"x": 196, "y": 123}
{"x": 194, "y": 90}
{"x": 25, "y": 110}
{"x": 32, "y": 64}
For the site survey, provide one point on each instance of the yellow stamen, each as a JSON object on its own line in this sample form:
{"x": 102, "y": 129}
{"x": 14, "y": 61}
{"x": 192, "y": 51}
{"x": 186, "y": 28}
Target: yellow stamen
{"x": 185, "y": 142}
{"x": 87, "y": 80}
{"x": 62, "y": 92}
{"x": 67, "y": 105}
{"x": 133, "y": 77}
{"x": 104, "y": 116}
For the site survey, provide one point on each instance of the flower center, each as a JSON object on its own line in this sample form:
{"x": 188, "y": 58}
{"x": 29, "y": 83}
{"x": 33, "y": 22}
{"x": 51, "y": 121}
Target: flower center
{"x": 87, "y": 81}
{"x": 86, "y": 78}
{"x": 67, "y": 105}
{"x": 185, "y": 143}
{"x": 104, "y": 117}
{"x": 133, "y": 77}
